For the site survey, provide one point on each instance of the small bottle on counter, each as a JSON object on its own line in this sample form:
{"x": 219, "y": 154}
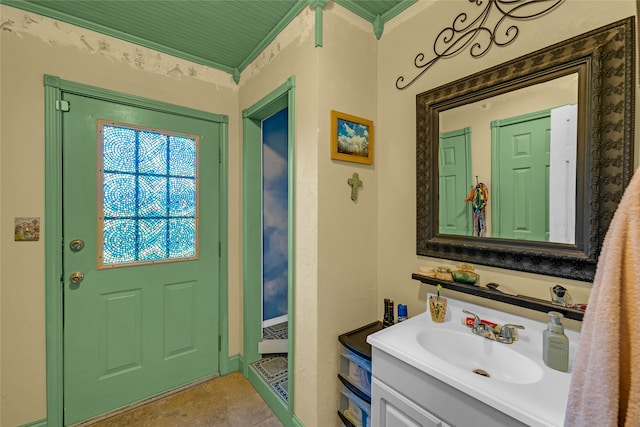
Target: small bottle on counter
{"x": 402, "y": 313}
{"x": 555, "y": 344}
{"x": 388, "y": 313}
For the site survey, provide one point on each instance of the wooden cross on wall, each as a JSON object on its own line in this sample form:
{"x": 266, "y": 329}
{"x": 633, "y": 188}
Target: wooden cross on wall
{"x": 355, "y": 183}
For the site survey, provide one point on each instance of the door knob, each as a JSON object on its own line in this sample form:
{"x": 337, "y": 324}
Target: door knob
{"x": 76, "y": 278}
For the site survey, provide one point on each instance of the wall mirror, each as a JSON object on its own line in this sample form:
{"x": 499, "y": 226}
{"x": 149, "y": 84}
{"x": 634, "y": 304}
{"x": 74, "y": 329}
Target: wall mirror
{"x": 550, "y": 136}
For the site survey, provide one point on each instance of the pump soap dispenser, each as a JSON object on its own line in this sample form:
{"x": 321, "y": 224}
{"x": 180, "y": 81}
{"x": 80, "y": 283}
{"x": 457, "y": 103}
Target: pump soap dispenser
{"x": 555, "y": 344}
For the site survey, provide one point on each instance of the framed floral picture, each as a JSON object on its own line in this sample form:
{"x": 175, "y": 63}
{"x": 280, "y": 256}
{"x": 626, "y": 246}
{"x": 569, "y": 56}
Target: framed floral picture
{"x": 351, "y": 138}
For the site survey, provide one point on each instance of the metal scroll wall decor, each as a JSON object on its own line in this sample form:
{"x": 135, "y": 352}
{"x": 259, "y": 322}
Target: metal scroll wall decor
{"x": 479, "y": 33}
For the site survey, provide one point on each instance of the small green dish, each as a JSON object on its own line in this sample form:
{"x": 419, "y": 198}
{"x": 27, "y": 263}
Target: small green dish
{"x": 468, "y": 277}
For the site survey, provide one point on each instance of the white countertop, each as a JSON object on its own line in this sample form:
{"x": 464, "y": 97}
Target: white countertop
{"x": 540, "y": 403}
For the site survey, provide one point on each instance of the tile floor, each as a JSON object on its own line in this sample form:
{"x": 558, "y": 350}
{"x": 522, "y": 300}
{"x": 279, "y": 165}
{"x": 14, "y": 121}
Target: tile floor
{"x": 229, "y": 401}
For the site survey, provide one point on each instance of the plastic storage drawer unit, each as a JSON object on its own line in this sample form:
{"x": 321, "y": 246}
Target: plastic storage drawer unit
{"x": 356, "y": 370}
{"x": 356, "y": 410}
{"x": 355, "y": 375}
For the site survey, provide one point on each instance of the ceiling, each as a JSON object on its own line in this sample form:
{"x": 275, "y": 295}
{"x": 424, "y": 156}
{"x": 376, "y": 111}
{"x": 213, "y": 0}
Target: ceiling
{"x": 223, "y": 34}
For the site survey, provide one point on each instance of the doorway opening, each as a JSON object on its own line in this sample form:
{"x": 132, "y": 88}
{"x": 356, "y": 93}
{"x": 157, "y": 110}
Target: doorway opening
{"x": 268, "y": 172}
{"x": 272, "y": 366}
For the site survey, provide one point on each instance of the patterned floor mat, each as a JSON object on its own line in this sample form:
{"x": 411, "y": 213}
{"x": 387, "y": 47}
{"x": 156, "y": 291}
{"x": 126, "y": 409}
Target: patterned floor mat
{"x": 276, "y": 332}
{"x": 273, "y": 369}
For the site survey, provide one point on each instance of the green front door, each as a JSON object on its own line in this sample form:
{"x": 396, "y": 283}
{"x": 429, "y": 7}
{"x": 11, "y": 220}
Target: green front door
{"x": 455, "y": 182}
{"x": 140, "y": 206}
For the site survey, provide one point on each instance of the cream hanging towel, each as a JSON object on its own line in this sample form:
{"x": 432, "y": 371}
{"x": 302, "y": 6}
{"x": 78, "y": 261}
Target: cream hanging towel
{"x": 605, "y": 386}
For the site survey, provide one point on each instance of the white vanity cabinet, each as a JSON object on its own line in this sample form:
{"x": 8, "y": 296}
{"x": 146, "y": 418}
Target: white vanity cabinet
{"x": 442, "y": 374}
{"x": 402, "y": 395}
{"x": 396, "y": 410}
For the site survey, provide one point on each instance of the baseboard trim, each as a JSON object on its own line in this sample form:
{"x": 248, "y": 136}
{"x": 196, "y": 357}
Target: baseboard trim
{"x": 39, "y": 423}
{"x": 271, "y": 398}
{"x": 236, "y": 363}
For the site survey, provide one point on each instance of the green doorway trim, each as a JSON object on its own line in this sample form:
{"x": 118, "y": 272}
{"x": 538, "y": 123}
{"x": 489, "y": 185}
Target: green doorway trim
{"x": 282, "y": 97}
{"x": 54, "y": 87}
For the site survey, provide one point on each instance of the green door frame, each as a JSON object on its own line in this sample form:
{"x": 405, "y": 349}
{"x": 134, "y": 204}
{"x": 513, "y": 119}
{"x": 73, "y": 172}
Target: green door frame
{"x": 280, "y": 98}
{"x": 53, "y": 110}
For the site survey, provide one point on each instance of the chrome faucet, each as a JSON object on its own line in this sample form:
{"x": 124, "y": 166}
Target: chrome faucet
{"x": 480, "y": 328}
{"x": 505, "y": 335}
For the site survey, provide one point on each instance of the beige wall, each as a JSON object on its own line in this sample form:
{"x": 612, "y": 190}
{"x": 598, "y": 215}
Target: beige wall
{"x": 347, "y": 237}
{"x": 412, "y": 32}
{"x": 32, "y": 47}
{"x": 278, "y": 63}
{"x": 335, "y": 250}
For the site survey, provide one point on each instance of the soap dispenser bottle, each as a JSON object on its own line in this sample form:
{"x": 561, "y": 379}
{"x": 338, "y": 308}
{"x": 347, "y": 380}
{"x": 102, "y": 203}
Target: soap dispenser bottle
{"x": 555, "y": 344}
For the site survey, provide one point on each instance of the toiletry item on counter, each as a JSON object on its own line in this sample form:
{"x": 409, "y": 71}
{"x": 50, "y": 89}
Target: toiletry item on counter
{"x": 468, "y": 277}
{"x": 437, "y": 307}
{"x": 502, "y": 289}
{"x": 388, "y": 319}
{"x": 560, "y": 296}
{"x": 555, "y": 344}
{"x": 426, "y": 270}
{"x": 443, "y": 273}
{"x": 465, "y": 267}
{"x": 402, "y": 313}
{"x": 497, "y": 328}
{"x": 465, "y": 274}
{"x": 468, "y": 321}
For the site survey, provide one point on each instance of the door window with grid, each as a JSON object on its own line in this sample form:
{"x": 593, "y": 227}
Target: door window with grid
{"x": 148, "y": 195}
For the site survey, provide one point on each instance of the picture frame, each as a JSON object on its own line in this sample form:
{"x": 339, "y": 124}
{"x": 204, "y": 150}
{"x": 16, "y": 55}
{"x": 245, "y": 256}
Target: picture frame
{"x": 352, "y": 138}
{"x": 26, "y": 229}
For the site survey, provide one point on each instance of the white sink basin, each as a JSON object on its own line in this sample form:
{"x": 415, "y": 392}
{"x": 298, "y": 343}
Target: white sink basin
{"x": 493, "y": 360}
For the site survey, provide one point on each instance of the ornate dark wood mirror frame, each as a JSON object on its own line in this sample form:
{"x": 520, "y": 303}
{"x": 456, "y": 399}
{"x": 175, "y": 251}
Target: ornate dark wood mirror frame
{"x": 604, "y": 59}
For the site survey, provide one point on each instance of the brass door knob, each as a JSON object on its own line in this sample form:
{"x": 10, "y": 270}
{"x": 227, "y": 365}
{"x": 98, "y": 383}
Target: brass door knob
{"x": 76, "y": 278}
